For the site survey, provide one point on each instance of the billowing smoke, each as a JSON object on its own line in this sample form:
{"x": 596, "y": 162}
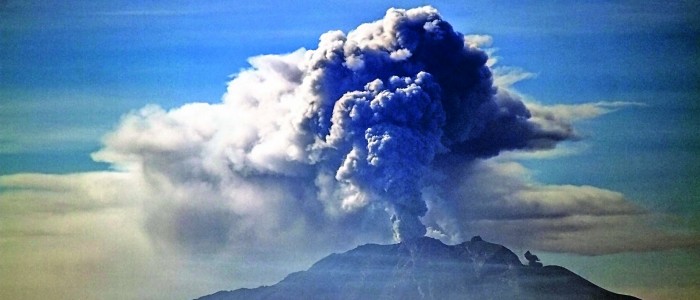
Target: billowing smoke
{"x": 389, "y": 97}
{"x": 355, "y": 126}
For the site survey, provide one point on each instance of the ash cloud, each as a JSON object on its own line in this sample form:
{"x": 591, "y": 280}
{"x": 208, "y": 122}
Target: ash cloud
{"x": 333, "y": 139}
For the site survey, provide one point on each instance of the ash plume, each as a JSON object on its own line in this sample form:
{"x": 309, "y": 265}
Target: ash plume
{"x": 332, "y": 135}
{"x": 390, "y": 96}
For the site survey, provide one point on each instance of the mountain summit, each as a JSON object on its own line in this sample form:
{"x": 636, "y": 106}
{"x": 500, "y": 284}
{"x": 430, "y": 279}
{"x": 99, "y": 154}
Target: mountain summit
{"x": 425, "y": 268}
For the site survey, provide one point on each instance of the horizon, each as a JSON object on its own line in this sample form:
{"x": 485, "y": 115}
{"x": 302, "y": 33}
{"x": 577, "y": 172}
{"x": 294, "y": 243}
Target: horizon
{"x": 166, "y": 150}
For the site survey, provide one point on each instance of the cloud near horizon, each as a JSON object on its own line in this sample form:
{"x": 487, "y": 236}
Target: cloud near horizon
{"x": 385, "y": 133}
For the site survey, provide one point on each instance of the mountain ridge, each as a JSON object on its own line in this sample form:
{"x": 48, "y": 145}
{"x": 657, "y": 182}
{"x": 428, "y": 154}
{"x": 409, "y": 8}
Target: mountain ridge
{"x": 425, "y": 268}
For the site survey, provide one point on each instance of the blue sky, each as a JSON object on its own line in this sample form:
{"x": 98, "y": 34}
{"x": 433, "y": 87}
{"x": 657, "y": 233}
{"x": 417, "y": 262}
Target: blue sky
{"x": 70, "y": 71}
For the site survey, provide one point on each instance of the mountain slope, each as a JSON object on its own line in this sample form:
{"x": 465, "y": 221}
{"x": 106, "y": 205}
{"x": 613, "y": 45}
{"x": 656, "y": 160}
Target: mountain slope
{"x": 426, "y": 268}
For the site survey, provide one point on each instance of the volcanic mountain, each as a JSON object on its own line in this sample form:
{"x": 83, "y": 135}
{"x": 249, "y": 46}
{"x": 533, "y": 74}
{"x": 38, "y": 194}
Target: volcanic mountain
{"x": 425, "y": 268}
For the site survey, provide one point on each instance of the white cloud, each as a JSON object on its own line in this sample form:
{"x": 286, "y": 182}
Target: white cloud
{"x": 505, "y": 77}
{"x": 576, "y": 112}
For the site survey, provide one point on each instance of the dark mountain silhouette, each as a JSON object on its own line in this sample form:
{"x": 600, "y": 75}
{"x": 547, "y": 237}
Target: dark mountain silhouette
{"x": 426, "y": 268}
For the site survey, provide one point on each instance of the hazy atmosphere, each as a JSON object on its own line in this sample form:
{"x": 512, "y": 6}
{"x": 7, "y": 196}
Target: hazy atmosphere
{"x": 168, "y": 151}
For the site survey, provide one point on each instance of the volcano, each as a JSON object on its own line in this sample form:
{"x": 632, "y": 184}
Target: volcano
{"x": 425, "y": 268}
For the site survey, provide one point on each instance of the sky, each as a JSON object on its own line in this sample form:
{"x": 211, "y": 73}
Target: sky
{"x": 168, "y": 151}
